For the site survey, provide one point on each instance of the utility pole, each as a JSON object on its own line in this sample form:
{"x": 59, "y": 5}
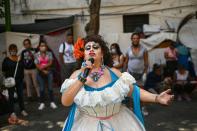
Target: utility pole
{"x": 7, "y": 15}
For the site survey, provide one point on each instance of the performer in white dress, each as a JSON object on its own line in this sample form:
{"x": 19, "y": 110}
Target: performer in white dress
{"x": 96, "y": 95}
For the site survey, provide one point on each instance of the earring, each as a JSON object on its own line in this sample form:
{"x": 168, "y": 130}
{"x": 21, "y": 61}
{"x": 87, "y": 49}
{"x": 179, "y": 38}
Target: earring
{"x": 102, "y": 62}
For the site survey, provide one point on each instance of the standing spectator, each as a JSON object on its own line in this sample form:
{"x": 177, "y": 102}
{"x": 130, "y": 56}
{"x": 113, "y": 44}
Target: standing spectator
{"x": 170, "y": 55}
{"x": 68, "y": 61}
{"x": 8, "y": 68}
{"x": 185, "y": 59}
{"x": 137, "y": 59}
{"x": 117, "y": 57}
{"x": 137, "y": 62}
{"x": 27, "y": 57}
{"x": 44, "y": 61}
{"x": 182, "y": 87}
{"x": 183, "y": 55}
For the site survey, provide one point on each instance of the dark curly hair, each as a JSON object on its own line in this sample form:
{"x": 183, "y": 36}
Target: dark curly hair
{"x": 106, "y": 53}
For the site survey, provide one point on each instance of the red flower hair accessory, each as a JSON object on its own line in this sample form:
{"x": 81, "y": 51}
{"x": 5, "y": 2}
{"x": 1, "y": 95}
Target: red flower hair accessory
{"x": 79, "y": 49}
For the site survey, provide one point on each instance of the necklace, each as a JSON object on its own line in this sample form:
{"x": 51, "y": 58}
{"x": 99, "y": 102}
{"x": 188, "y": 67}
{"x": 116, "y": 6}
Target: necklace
{"x": 97, "y": 74}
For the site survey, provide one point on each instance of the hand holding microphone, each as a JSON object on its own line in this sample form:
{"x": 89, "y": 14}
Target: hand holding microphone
{"x": 89, "y": 63}
{"x": 86, "y": 66}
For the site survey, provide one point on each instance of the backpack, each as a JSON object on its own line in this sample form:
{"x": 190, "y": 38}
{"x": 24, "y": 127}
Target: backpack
{"x": 64, "y": 47}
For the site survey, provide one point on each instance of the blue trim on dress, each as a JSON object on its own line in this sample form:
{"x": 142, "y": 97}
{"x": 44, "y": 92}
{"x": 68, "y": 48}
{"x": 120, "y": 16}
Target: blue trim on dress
{"x": 136, "y": 103}
{"x": 70, "y": 118}
{"x": 136, "y": 99}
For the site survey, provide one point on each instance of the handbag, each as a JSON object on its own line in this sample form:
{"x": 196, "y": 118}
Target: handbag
{"x": 10, "y": 81}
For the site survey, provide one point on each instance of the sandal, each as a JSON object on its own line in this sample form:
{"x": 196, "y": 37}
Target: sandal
{"x": 12, "y": 120}
{"x": 16, "y": 121}
{"x": 22, "y": 122}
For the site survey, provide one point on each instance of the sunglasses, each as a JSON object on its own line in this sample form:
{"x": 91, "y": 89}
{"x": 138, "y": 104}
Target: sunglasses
{"x": 94, "y": 46}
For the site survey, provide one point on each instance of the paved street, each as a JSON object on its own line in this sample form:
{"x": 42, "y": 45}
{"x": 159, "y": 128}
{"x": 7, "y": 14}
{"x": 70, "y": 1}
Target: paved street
{"x": 180, "y": 116}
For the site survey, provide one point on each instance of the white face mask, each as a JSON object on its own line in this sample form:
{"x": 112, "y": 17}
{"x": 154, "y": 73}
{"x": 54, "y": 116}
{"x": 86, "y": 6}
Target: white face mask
{"x": 43, "y": 49}
{"x": 13, "y": 53}
{"x": 113, "y": 51}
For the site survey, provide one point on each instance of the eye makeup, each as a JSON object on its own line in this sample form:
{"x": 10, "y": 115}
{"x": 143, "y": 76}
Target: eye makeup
{"x": 95, "y": 46}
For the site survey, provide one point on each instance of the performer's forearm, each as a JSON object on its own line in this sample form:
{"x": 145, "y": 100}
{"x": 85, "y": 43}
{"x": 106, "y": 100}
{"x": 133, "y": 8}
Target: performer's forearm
{"x": 69, "y": 95}
{"x": 146, "y": 96}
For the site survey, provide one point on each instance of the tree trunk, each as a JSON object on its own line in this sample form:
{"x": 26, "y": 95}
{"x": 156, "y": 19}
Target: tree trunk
{"x": 92, "y": 27}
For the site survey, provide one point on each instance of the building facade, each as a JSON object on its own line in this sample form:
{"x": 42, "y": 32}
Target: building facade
{"x": 118, "y": 18}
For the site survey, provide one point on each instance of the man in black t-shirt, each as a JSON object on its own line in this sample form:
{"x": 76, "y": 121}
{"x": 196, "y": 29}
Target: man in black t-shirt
{"x": 27, "y": 57}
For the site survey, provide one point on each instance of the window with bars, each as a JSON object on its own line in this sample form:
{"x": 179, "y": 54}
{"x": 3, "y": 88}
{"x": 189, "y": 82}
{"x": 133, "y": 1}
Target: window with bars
{"x": 131, "y": 22}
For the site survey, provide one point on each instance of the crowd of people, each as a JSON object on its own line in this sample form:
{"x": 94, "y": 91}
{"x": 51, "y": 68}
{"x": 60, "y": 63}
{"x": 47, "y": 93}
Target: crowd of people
{"x": 31, "y": 67}
{"x": 176, "y": 72}
{"x": 109, "y": 83}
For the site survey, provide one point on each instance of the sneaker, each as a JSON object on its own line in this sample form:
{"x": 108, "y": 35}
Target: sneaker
{"x": 144, "y": 111}
{"x": 24, "y": 113}
{"x": 41, "y": 107}
{"x": 53, "y": 105}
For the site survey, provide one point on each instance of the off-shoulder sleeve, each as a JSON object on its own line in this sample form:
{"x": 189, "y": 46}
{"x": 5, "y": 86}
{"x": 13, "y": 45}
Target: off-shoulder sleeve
{"x": 127, "y": 78}
{"x": 66, "y": 84}
{"x": 114, "y": 94}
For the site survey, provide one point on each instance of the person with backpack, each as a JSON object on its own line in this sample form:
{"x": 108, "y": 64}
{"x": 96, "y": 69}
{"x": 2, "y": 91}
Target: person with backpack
{"x": 67, "y": 59}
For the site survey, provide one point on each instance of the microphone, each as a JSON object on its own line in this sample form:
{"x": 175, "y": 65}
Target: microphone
{"x": 87, "y": 70}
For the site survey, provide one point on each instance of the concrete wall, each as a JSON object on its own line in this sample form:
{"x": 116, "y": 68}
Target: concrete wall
{"x": 111, "y": 23}
{"x": 29, "y": 10}
{"x": 2, "y": 53}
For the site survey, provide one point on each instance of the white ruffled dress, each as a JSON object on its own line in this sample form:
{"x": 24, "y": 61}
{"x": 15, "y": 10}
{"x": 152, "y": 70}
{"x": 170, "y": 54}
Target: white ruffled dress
{"x": 101, "y": 110}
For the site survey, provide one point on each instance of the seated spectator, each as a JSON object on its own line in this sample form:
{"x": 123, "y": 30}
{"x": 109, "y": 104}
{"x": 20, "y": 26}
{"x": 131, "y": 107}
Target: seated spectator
{"x": 170, "y": 55}
{"x": 167, "y": 83}
{"x": 154, "y": 79}
{"x": 117, "y": 56}
{"x": 182, "y": 86}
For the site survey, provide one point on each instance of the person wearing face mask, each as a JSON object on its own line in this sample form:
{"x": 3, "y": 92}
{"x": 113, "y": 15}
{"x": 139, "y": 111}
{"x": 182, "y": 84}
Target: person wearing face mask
{"x": 8, "y": 68}
{"x": 117, "y": 56}
{"x": 44, "y": 61}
